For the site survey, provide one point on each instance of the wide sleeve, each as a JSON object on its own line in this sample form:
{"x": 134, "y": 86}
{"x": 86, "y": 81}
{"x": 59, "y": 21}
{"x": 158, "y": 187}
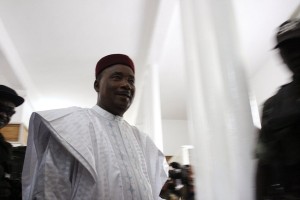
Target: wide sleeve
{"x": 32, "y": 160}
{"x": 48, "y": 167}
{"x": 54, "y": 174}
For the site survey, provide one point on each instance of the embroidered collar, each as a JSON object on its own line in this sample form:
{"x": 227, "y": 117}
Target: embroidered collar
{"x": 106, "y": 114}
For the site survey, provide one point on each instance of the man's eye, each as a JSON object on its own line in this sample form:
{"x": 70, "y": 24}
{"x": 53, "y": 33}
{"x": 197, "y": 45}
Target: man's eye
{"x": 116, "y": 77}
{"x": 131, "y": 81}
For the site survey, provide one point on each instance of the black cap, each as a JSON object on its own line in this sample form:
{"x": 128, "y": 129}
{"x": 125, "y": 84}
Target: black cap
{"x": 288, "y": 30}
{"x": 11, "y": 95}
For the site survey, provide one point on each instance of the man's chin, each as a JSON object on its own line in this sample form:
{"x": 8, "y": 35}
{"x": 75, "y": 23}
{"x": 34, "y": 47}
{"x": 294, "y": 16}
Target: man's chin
{"x": 124, "y": 101}
{"x": 124, "y": 105}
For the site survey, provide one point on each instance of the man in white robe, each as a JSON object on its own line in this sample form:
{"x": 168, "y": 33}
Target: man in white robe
{"x": 77, "y": 153}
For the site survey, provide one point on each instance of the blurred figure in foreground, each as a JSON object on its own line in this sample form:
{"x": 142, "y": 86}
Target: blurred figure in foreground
{"x": 278, "y": 173}
{"x": 180, "y": 184}
{"x": 10, "y": 188}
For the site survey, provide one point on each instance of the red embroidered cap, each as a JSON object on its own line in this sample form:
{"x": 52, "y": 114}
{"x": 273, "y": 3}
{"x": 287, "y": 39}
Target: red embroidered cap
{"x": 113, "y": 59}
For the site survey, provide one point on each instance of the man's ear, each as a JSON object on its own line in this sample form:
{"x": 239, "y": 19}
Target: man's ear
{"x": 96, "y": 85}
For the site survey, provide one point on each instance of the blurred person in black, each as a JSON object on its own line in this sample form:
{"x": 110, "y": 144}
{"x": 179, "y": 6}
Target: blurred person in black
{"x": 9, "y": 99}
{"x": 278, "y": 173}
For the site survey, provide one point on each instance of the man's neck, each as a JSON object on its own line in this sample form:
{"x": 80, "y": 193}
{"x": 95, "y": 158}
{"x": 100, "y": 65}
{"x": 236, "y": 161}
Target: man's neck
{"x": 111, "y": 112}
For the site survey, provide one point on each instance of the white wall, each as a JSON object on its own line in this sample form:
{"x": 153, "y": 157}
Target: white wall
{"x": 175, "y": 134}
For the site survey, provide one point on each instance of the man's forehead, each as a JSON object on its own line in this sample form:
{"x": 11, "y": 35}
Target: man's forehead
{"x": 120, "y": 68}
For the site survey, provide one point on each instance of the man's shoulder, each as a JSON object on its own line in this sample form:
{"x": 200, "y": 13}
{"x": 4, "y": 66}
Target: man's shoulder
{"x": 269, "y": 101}
{"x": 50, "y": 115}
{"x": 277, "y": 96}
{"x": 60, "y": 110}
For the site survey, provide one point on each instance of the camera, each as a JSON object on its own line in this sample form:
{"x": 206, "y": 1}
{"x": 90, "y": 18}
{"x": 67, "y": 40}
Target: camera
{"x": 180, "y": 182}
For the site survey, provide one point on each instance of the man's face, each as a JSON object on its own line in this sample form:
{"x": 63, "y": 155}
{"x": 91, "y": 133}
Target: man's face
{"x": 115, "y": 87}
{"x": 7, "y": 109}
{"x": 290, "y": 53}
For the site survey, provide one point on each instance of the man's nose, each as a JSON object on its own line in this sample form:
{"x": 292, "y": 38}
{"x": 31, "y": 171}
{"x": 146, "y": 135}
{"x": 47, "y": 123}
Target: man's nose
{"x": 126, "y": 84}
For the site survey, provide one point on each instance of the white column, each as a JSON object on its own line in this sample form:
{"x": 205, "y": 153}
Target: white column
{"x": 219, "y": 109}
{"x": 156, "y": 107}
{"x": 149, "y": 117}
{"x": 185, "y": 151}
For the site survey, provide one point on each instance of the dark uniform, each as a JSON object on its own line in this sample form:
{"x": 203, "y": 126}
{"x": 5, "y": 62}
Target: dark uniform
{"x": 279, "y": 144}
{"x": 5, "y": 152}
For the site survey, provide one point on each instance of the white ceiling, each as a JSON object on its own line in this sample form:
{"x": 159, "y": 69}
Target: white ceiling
{"x": 49, "y": 49}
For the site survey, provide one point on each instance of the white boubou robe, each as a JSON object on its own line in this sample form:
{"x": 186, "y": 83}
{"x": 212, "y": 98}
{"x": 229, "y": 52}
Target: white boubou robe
{"x": 77, "y": 153}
